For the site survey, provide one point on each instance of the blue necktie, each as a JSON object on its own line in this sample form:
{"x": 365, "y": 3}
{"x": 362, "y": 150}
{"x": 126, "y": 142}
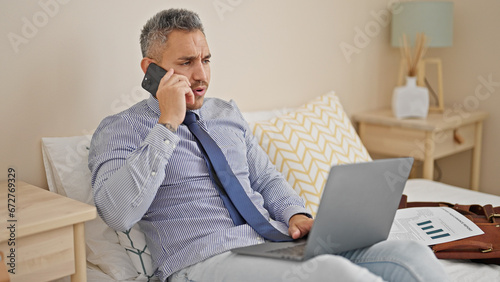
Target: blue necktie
{"x": 238, "y": 199}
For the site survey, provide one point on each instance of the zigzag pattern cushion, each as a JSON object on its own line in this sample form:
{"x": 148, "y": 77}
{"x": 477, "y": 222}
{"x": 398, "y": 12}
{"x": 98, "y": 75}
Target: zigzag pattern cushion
{"x": 305, "y": 143}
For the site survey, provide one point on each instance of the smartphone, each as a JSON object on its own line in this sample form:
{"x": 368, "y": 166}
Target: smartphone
{"x": 152, "y": 78}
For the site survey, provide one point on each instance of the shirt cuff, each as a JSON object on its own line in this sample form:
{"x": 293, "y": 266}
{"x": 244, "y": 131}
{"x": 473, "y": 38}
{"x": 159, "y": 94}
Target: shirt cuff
{"x": 293, "y": 210}
{"x": 162, "y": 139}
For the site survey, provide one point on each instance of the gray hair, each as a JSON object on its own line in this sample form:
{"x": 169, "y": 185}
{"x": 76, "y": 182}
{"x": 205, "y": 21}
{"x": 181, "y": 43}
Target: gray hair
{"x": 155, "y": 32}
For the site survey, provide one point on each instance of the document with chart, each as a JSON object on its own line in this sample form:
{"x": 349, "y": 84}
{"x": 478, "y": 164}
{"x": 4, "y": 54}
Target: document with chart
{"x": 432, "y": 225}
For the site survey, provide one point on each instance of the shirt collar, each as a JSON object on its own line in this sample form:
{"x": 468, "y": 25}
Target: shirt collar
{"x": 155, "y": 106}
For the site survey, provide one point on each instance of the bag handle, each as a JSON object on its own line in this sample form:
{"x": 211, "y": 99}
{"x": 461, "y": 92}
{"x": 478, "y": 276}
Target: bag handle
{"x": 463, "y": 245}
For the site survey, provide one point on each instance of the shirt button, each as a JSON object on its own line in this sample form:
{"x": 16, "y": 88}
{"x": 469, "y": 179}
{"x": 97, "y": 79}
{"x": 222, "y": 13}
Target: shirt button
{"x": 167, "y": 141}
{"x": 153, "y": 173}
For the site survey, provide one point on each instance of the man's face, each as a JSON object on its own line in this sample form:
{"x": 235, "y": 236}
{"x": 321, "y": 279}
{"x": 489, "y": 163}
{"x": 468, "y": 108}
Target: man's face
{"x": 188, "y": 54}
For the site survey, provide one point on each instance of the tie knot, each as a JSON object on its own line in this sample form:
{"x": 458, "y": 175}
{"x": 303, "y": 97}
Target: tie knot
{"x": 190, "y": 118}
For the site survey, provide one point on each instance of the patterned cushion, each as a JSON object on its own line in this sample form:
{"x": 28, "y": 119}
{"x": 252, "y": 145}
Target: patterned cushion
{"x": 305, "y": 143}
{"x": 134, "y": 243}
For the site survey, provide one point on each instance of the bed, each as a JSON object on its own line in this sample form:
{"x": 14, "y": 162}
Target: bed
{"x": 302, "y": 142}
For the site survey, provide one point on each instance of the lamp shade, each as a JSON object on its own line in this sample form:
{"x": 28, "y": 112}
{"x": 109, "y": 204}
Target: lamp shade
{"x": 434, "y": 19}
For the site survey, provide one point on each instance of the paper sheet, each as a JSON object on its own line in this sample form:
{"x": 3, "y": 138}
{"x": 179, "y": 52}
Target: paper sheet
{"x": 432, "y": 225}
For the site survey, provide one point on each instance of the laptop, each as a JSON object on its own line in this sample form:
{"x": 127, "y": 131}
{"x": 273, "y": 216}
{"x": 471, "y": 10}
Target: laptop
{"x": 356, "y": 210}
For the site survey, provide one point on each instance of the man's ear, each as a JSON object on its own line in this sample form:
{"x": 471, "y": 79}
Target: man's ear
{"x": 145, "y": 63}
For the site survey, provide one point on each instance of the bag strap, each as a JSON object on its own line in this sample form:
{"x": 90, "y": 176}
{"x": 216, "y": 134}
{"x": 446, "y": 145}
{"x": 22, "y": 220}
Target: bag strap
{"x": 491, "y": 213}
{"x": 405, "y": 204}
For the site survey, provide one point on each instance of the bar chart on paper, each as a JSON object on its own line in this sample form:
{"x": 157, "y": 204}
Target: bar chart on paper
{"x": 433, "y": 232}
{"x": 431, "y": 225}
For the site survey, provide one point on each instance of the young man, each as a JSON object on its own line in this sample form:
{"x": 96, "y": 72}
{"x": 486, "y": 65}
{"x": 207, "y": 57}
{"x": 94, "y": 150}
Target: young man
{"x": 148, "y": 167}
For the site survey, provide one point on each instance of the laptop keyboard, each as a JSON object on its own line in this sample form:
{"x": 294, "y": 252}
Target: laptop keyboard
{"x": 293, "y": 251}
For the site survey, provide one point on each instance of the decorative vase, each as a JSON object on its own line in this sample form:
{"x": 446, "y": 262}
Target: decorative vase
{"x": 410, "y": 101}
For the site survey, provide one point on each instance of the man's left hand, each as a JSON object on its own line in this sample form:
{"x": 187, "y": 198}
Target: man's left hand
{"x": 299, "y": 226}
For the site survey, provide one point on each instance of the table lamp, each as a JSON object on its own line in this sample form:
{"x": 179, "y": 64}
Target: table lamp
{"x": 435, "y": 20}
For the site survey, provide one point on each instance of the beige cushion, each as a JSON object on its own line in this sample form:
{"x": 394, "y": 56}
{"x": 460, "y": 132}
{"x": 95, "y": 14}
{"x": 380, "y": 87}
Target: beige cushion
{"x": 305, "y": 143}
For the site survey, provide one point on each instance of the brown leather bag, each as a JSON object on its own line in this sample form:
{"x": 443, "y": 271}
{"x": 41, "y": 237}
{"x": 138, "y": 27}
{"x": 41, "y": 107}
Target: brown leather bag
{"x": 483, "y": 248}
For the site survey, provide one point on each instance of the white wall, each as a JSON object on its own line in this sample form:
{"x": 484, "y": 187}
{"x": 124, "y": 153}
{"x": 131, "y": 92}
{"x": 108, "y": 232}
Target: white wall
{"x": 67, "y": 64}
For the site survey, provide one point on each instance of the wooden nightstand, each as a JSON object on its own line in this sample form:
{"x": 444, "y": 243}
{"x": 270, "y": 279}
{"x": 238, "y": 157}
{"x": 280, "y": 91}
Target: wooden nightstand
{"x": 48, "y": 232}
{"x": 437, "y": 136}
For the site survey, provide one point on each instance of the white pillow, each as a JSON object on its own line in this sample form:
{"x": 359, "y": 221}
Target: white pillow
{"x": 255, "y": 116}
{"x": 65, "y": 160}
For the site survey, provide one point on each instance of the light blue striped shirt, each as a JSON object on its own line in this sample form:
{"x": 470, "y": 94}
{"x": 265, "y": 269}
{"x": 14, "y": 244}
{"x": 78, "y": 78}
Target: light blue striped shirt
{"x": 142, "y": 172}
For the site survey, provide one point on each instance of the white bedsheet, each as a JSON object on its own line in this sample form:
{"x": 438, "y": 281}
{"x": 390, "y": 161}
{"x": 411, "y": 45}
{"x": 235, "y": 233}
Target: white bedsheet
{"x": 426, "y": 190}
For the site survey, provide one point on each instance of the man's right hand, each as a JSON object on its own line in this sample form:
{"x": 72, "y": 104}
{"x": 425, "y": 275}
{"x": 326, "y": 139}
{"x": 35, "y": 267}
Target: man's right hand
{"x": 174, "y": 92}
